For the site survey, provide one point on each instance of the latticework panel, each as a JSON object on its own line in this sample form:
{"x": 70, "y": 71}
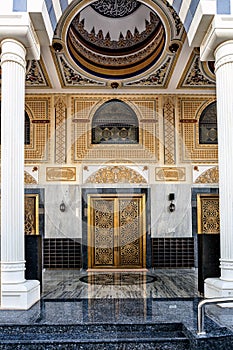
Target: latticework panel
{"x": 129, "y": 231}
{"x": 104, "y": 232}
{"x": 208, "y": 214}
{"x": 83, "y": 149}
{"x": 60, "y": 131}
{"x": 191, "y": 150}
{"x": 147, "y": 108}
{"x": 40, "y": 109}
{"x": 81, "y": 107}
{"x": 169, "y": 132}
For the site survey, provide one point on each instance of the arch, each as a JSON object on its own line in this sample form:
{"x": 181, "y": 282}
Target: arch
{"x": 115, "y": 122}
{"x": 208, "y": 131}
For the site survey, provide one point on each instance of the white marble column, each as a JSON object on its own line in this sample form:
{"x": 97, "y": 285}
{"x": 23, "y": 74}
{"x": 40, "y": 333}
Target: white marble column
{"x": 224, "y": 88}
{"x": 16, "y": 292}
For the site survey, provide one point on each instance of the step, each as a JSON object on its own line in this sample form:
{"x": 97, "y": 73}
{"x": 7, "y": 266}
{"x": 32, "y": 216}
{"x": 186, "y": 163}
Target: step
{"x": 93, "y": 336}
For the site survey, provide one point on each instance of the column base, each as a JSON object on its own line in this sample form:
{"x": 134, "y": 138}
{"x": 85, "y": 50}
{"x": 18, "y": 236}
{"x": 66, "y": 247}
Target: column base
{"x": 217, "y": 288}
{"x": 20, "y": 296}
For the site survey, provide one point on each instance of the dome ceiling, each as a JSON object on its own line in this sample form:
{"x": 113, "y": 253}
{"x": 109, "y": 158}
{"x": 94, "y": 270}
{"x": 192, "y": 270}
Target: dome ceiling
{"x": 116, "y": 39}
{"x": 122, "y": 44}
{"x": 117, "y": 44}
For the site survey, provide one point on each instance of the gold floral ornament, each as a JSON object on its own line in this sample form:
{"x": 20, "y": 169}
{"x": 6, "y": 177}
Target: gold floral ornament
{"x": 116, "y": 174}
{"x": 29, "y": 179}
{"x": 209, "y": 176}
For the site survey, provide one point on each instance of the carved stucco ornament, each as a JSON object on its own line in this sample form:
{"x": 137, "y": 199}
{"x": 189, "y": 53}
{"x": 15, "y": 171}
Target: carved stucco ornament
{"x": 116, "y": 174}
{"x": 209, "y": 176}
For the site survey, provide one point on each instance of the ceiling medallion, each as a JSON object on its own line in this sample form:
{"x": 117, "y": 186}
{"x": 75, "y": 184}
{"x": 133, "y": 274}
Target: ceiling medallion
{"x": 94, "y": 49}
{"x": 115, "y": 8}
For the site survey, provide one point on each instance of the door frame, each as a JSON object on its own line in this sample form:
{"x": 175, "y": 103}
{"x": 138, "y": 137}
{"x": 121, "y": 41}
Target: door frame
{"x": 142, "y": 228}
{"x": 112, "y": 191}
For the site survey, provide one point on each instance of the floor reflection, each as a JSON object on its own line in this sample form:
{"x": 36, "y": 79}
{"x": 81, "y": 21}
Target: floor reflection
{"x": 153, "y": 298}
{"x": 155, "y": 284}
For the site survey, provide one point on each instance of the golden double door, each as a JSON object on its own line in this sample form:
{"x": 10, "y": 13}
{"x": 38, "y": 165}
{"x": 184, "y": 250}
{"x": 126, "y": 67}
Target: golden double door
{"x": 116, "y": 231}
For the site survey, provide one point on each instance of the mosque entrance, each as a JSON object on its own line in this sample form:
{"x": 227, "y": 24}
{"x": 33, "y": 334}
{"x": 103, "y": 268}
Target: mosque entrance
{"x": 116, "y": 231}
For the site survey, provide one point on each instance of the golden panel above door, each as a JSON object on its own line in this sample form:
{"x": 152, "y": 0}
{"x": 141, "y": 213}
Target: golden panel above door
{"x": 116, "y": 231}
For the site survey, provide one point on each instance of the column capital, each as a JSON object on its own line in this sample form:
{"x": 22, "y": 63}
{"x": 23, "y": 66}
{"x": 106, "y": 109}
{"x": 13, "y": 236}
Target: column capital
{"x": 13, "y": 50}
{"x": 219, "y": 31}
{"x": 224, "y": 54}
{"x": 18, "y": 26}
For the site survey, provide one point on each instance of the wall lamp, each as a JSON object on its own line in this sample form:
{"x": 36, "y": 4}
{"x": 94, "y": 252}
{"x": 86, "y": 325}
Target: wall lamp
{"x": 171, "y": 198}
{"x": 62, "y": 207}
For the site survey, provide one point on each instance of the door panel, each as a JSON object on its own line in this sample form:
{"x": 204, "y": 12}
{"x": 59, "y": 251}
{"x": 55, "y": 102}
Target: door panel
{"x": 116, "y": 231}
{"x": 130, "y": 232}
{"x": 103, "y": 232}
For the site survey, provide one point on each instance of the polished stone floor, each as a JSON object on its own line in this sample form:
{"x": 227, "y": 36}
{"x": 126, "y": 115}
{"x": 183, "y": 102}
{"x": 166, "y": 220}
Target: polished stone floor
{"x": 71, "y": 297}
{"x": 107, "y": 285}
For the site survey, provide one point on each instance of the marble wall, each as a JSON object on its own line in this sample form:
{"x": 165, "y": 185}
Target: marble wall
{"x": 163, "y": 222}
{"x": 68, "y": 224}
{"x": 65, "y": 224}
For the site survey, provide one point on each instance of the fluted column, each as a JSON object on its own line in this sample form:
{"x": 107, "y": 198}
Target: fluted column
{"x": 224, "y": 81}
{"x": 16, "y": 293}
{"x": 224, "y": 87}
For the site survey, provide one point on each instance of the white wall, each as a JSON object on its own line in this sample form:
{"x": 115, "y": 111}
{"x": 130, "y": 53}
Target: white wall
{"x": 165, "y": 223}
